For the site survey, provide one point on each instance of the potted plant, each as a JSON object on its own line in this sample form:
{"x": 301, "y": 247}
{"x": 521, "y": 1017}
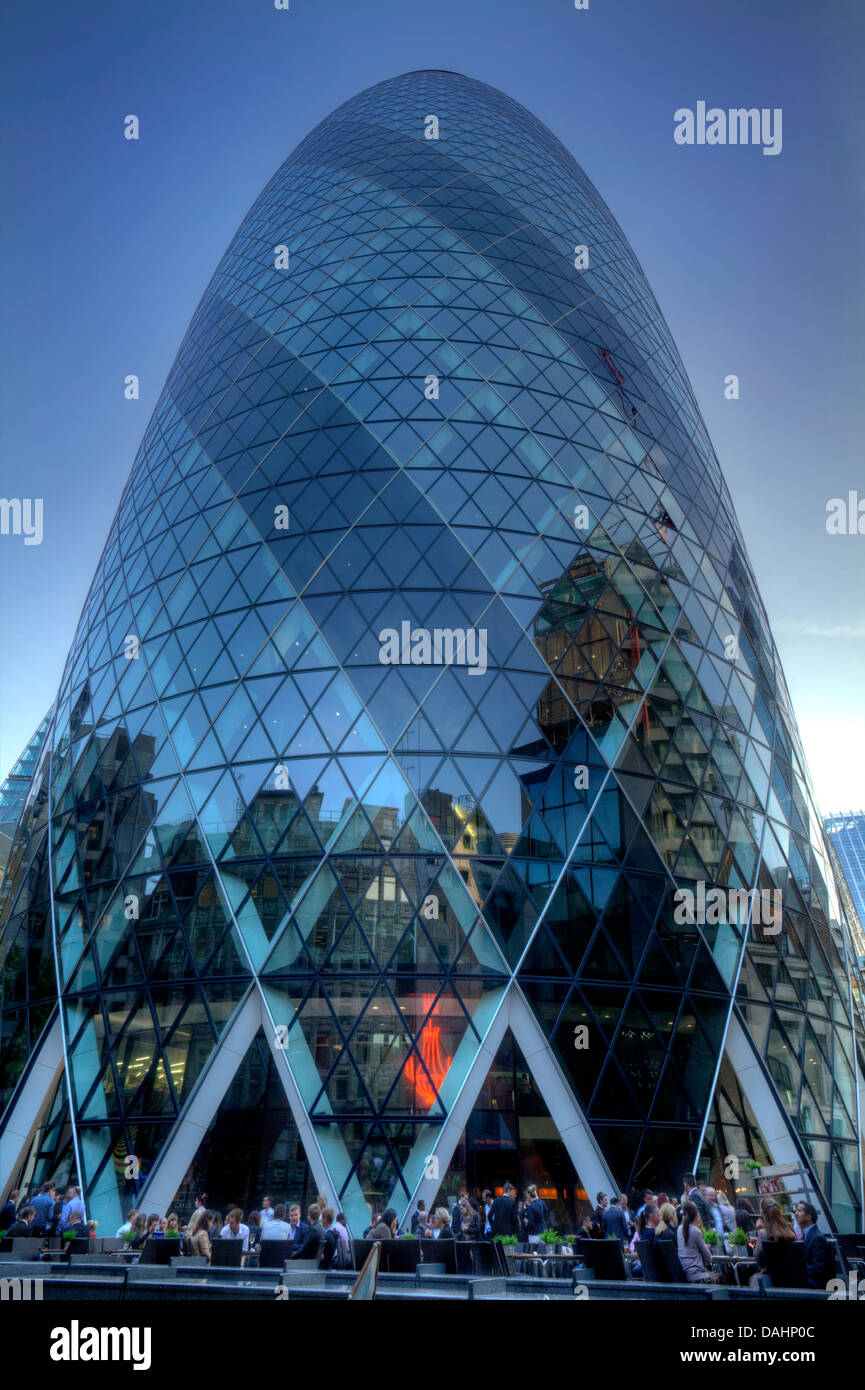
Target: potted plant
{"x": 711, "y": 1237}
{"x": 408, "y": 1235}
{"x": 737, "y": 1242}
{"x": 506, "y": 1241}
{"x": 551, "y": 1239}
{"x": 753, "y": 1166}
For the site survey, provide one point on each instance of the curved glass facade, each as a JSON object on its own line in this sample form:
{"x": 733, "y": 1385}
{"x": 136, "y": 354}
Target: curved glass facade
{"x": 423, "y": 665}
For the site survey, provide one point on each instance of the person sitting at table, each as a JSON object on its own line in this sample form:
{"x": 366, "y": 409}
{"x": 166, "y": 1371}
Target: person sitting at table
{"x": 647, "y": 1223}
{"x": 775, "y": 1228}
{"x": 667, "y": 1223}
{"x": 139, "y": 1232}
{"x": 819, "y": 1257}
{"x": 694, "y": 1255}
{"x": 441, "y": 1224}
{"x": 199, "y": 1241}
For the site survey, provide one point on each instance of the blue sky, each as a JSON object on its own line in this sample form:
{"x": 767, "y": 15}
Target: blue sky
{"x": 755, "y": 261}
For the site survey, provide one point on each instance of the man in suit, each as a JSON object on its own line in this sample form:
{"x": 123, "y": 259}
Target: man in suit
{"x": 8, "y": 1210}
{"x": 418, "y": 1217}
{"x": 598, "y": 1213}
{"x": 693, "y": 1194}
{"x": 614, "y": 1222}
{"x": 308, "y": 1247}
{"x": 820, "y": 1261}
{"x": 24, "y": 1225}
{"x": 299, "y": 1228}
{"x": 503, "y": 1213}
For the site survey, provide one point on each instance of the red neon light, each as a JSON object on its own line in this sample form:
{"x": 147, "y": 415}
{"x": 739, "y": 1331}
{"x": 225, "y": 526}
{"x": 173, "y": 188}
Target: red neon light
{"x": 430, "y": 1050}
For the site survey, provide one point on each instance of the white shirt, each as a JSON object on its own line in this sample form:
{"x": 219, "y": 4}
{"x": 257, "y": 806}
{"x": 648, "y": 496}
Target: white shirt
{"x": 242, "y": 1234}
{"x": 267, "y": 1214}
{"x": 127, "y": 1226}
{"x": 276, "y": 1230}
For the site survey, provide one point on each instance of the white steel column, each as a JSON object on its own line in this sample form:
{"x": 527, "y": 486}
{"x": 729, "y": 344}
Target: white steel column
{"x": 28, "y": 1107}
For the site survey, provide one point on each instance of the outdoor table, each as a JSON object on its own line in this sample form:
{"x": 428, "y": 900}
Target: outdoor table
{"x": 533, "y": 1255}
{"x": 732, "y": 1262}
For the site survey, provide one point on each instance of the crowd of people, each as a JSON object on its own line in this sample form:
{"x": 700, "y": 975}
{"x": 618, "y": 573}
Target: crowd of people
{"x": 46, "y": 1213}
{"x": 324, "y": 1236}
{"x": 703, "y": 1208}
{"x": 481, "y": 1217}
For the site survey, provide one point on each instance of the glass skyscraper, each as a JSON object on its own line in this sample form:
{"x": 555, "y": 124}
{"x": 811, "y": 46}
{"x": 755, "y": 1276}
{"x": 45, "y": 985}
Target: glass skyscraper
{"x": 422, "y": 678}
{"x": 847, "y": 833}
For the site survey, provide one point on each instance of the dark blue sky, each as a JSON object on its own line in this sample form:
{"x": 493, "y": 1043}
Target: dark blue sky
{"x": 756, "y": 261}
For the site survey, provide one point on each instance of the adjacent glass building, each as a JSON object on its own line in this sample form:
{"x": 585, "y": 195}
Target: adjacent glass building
{"x": 423, "y": 665}
{"x": 847, "y": 834}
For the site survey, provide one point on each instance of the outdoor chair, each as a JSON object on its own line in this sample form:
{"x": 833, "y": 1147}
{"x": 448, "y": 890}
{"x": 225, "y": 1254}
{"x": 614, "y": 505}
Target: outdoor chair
{"x": 786, "y": 1264}
{"x": 651, "y": 1272}
{"x": 605, "y": 1258}
{"x": 273, "y": 1254}
{"x": 224, "y": 1253}
{"x": 667, "y": 1255}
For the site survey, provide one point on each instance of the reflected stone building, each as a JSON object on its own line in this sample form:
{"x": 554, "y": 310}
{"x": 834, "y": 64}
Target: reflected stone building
{"x": 283, "y": 916}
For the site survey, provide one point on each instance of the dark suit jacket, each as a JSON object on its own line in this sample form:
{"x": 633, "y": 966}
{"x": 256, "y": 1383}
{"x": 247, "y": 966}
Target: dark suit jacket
{"x": 703, "y": 1208}
{"x": 503, "y": 1217}
{"x": 311, "y": 1244}
{"x": 472, "y": 1230}
{"x": 614, "y": 1223}
{"x": 300, "y": 1232}
{"x": 20, "y": 1228}
{"x": 818, "y": 1257}
{"x": 330, "y": 1242}
{"x": 416, "y": 1220}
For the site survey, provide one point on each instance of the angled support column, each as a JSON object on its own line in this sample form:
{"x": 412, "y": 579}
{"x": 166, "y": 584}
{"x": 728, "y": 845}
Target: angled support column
{"x": 191, "y": 1126}
{"x": 583, "y": 1151}
{"x": 353, "y": 1202}
{"x": 29, "y": 1103}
